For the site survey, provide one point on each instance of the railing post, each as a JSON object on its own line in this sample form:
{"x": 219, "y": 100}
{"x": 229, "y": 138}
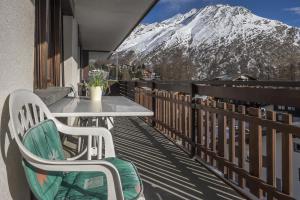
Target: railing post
{"x": 153, "y": 87}
{"x": 255, "y": 150}
{"x": 242, "y": 144}
{"x": 135, "y": 85}
{"x": 222, "y": 138}
{"x": 271, "y": 153}
{"x": 126, "y": 88}
{"x": 135, "y": 89}
{"x": 194, "y": 91}
{"x": 287, "y": 157}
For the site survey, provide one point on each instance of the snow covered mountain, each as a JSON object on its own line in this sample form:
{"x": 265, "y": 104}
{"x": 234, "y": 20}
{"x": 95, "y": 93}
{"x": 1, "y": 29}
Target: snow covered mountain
{"x": 213, "y": 41}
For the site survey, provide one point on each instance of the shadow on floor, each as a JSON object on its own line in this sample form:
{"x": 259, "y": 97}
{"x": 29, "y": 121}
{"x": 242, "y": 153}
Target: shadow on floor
{"x": 167, "y": 172}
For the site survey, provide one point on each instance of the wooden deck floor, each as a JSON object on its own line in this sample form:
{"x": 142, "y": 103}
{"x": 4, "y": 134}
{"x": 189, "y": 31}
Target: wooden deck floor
{"x": 167, "y": 171}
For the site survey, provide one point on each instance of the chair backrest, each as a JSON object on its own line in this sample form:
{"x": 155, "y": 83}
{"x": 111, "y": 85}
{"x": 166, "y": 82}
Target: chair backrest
{"x": 32, "y": 126}
{"x": 26, "y": 110}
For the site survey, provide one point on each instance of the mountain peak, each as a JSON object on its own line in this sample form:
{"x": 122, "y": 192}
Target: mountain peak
{"x": 219, "y": 35}
{"x": 227, "y": 7}
{"x": 221, "y": 10}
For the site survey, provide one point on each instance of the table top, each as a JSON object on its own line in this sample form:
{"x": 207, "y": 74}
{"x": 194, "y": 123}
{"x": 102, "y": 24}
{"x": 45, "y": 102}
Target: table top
{"x": 110, "y": 106}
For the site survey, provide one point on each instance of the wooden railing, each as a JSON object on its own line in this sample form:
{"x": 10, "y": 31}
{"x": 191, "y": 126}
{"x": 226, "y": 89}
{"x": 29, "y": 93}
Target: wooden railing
{"x": 223, "y": 124}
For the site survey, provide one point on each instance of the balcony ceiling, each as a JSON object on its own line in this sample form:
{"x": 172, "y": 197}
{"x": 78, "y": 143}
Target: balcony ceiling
{"x": 104, "y": 24}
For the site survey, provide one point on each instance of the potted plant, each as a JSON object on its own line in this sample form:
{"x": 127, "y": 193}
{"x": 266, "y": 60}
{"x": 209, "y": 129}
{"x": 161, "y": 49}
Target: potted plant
{"x": 97, "y": 85}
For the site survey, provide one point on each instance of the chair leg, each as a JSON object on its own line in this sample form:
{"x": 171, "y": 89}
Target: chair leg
{"x": 79, "y": 144}
{"x": 99, "y": 148}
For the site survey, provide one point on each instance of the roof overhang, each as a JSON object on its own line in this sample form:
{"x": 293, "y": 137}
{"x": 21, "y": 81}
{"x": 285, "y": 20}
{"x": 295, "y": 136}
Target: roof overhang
{"x": 105, "y": 24}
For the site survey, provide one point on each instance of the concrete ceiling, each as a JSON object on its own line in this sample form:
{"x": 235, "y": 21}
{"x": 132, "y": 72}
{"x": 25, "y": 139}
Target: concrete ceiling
{"x": 104, "y": 24}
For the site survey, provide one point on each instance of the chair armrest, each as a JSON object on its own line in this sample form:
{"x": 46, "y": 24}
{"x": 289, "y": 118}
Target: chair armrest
{"x": 82, "y": 131}
{"x": 90, "y": 131}
{"x": 114, "y": 188}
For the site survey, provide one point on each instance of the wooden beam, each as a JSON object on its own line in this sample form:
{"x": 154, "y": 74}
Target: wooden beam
{"x": 257, "y": 95}
{"x": 222, "y": 140}
{"x": 242, "y": 146}
{"x": 255, "y": 151}
{"x": 231, "y": 142}
{"x": 271, "y": 153}
{"x": 287, "y": 160}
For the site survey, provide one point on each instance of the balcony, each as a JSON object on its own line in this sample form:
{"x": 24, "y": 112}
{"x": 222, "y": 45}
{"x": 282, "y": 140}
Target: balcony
{"x": 207, "y": 140}
{"x": 205, "y": 133}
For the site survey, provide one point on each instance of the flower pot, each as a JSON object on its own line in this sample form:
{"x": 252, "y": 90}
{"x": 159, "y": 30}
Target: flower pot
{"x": 96, "y": 93}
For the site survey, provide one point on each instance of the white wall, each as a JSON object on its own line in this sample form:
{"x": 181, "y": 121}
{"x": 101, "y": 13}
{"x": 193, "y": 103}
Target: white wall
{"x": 16, "y": 71}
{"x": 71, "y": 51}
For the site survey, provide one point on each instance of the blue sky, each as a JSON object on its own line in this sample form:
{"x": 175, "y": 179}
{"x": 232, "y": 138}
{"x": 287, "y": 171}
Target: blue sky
{"x": 287, "y": 11}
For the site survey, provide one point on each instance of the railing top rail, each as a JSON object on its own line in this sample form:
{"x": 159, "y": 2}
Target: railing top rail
{"x": 228, "y": 83}
{"x": 252, "y": 83}
{"x": 274, "y": 96}
{"x": 285, "y": 93}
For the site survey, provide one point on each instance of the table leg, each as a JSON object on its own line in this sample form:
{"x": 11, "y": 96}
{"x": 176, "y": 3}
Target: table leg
{"x": 89, "y": 147}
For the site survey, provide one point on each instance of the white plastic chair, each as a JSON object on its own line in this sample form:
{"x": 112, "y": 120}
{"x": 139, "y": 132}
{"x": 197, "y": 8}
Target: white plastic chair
{"x": 27, "y": 110}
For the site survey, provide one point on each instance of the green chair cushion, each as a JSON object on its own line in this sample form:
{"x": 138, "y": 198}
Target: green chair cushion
{"x": 93, "y": 185}
{"x": 43, "y": 141}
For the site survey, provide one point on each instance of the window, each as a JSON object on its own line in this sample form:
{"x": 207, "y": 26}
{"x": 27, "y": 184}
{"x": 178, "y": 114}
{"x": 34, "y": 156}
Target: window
{"x": 291, "y": 108}
{"x": 281, "y": 107}
{"x": 279, "y": 117}
{"x": 296, "y": 147}
{"x": 278, "y": 184}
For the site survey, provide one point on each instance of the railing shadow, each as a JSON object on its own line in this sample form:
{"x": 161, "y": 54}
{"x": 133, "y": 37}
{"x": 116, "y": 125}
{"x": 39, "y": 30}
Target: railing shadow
{"x": 167, "y": 171}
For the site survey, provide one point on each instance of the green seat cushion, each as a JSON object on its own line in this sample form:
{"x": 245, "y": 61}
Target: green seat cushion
{"x": 43, "y": 141}
{"x": 93, "y": 185}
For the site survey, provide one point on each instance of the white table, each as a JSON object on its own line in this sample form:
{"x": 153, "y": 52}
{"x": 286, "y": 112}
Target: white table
{"x": 110, "y": 106}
